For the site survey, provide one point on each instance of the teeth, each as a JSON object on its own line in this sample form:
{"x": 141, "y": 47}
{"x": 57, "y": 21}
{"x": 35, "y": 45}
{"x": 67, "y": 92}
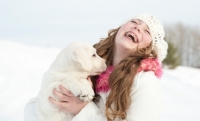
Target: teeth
{"x": 131, "y": 36}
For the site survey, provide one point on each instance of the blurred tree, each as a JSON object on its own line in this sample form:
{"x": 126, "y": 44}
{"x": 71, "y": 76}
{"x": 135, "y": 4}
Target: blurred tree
{"x": 187, "y": 41}
{"x": 172, "y": 59}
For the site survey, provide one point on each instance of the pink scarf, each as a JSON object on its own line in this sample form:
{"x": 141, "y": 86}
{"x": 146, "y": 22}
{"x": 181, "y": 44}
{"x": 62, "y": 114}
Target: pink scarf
{"x": 151, "y": 65}
{"x": 102, "y": 81}
{"x": 145, "y": 65}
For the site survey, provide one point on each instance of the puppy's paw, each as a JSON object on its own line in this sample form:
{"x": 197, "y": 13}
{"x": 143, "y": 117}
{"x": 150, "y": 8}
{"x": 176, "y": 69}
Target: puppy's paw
{"x": 81, "y": 90}
{"x": 87, "y": 91}
{"x": 86, "y": 94}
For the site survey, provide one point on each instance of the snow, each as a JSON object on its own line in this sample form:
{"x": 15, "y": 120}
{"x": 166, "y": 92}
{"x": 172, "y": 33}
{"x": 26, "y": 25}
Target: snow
{"x": 181, "y": 89}
{"x": 22, "y": 68}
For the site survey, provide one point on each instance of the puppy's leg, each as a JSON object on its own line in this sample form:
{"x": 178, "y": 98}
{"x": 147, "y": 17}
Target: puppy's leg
{"x": 88, "y": 92}
{"x": 80, "y": 88}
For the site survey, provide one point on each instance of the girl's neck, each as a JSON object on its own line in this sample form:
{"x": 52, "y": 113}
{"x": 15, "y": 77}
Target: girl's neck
{"x": 119, "y": 56}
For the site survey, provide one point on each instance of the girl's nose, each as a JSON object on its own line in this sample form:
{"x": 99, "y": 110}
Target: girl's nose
{"x": 137, "y": 28}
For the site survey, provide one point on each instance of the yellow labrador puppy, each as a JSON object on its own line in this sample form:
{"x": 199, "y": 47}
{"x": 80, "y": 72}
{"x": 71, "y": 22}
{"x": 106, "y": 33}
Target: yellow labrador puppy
{"x": 70, "y": 68}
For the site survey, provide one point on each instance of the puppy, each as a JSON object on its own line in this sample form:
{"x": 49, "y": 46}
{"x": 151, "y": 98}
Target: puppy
{"x": 70, "y": 68}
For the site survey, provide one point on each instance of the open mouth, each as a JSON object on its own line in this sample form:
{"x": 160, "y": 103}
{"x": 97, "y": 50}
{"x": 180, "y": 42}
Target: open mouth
{"x": 131, "y": 36}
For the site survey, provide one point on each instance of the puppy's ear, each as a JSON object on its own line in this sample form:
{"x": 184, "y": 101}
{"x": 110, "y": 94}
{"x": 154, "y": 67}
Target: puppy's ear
{"x": 81, "y": 56}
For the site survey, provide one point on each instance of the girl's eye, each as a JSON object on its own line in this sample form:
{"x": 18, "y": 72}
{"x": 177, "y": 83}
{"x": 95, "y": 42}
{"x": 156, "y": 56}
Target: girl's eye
{"x": 148, "y": 32}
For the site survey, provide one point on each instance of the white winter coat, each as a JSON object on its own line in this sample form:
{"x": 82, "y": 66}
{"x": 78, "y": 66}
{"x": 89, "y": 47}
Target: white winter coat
{"x": 146, "y": 96}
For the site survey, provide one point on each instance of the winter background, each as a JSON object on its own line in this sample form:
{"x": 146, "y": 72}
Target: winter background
{"x": 33, "y": 32}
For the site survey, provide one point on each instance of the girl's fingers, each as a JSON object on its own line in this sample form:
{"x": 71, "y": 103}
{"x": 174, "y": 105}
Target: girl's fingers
{"x": 60, "y": 96}
{"x": 68, "y": 96}
{"x": 58, "y": 104}
{"x": 69, "y": 107}
{"x": 65, "y": 91}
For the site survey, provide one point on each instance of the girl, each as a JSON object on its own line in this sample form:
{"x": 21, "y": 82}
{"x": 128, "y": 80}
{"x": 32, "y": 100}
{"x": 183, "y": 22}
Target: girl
{"x": 130, "y": 89}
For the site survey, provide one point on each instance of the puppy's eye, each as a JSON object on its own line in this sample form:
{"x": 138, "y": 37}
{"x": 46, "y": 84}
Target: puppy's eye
{"x": 94, "y": 55}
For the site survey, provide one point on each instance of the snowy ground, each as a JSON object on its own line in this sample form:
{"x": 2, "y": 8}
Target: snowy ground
{"x": 22, "y": 67}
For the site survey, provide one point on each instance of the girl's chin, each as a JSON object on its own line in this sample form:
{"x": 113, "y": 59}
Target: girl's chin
{"x": 130, "y": 45}
{"x": 129, "y": 48}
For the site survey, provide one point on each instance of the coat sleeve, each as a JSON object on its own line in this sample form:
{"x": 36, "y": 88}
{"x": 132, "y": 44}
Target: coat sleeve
{"x": 146, "y": 96}
{"x": 90, "y": 113}
{"x": 30, "y": 110}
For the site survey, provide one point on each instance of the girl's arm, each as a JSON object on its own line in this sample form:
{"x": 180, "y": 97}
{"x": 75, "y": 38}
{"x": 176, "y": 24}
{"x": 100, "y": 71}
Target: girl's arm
{"x": 83, "y": 111}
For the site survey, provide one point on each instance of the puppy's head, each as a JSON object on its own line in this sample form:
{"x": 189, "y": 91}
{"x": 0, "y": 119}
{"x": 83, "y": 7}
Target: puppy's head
{"x": 87, "y": 59}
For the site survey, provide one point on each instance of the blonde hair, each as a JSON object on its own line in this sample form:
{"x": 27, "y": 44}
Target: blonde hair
{"x": 121, "y": 78}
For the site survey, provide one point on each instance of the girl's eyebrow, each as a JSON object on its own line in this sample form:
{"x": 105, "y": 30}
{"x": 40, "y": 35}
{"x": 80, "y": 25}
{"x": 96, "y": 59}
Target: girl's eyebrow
{"x": 140, "y": 21}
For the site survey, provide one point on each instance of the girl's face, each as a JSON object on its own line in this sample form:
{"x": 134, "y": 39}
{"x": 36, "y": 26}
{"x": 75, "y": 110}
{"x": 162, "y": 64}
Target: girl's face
{"x": 132, "y": 34}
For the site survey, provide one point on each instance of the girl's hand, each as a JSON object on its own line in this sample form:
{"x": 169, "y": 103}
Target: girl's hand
{"x": 68, "y": 102}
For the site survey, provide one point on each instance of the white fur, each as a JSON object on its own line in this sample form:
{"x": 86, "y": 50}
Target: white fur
{"x": 71, "y": 68}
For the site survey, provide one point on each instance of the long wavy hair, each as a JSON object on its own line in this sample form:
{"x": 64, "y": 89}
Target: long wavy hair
{"x": 122, "y": 77}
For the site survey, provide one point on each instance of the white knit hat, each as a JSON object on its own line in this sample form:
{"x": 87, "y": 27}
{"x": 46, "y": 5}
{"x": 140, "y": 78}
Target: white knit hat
{"x": 157, "y": 34}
